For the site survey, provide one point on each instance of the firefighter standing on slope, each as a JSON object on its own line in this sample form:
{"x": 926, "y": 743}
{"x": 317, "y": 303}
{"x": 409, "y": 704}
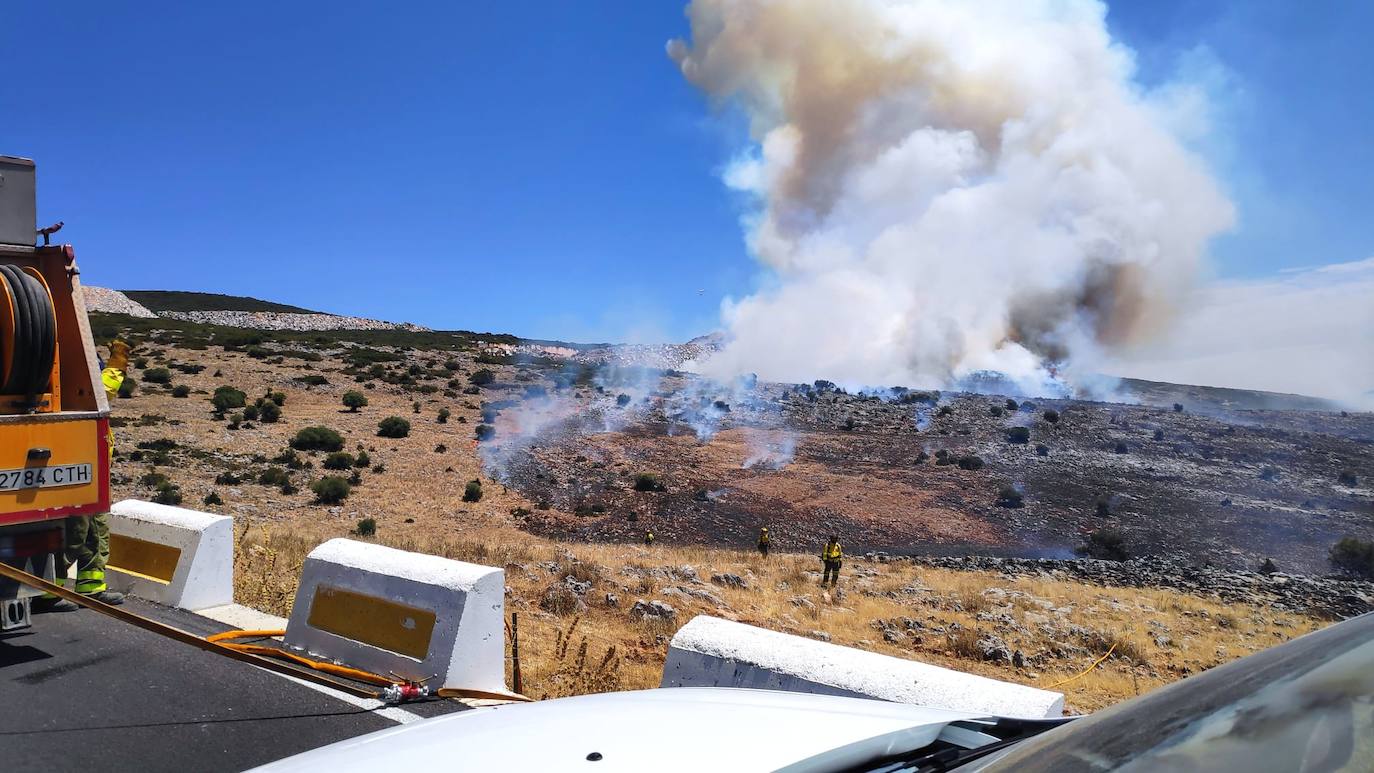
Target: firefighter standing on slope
{"x": 831, "y": 556}
{"x": 764, "y": 542}
{"x": 88, "y": 536}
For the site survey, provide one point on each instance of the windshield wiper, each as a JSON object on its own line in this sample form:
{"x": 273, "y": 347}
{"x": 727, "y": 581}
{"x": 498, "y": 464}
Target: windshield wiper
{"x": 931, "y": 759}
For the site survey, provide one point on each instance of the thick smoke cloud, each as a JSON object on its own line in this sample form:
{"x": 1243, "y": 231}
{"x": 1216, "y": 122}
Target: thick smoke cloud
{"x": 943, "y": 187}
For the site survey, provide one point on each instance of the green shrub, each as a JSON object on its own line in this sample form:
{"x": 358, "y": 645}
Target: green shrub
{"x": 970, "y": 462}
{"x": 330, "y": 489}
{"x": 339, "y": 460}
{"x": 269, "y": 412}
{"x": 1011, "y": 404}
{"x": 482, "y": 377}
{"x": 1353, "y": 556}
{"x": 996, "y": 411}
{"x": 141, "y": 363}
{"x": 317, "y": 439}
{"x": 157, "y": 376}
{"x": 181, "y": 390}
{"x": 472, "y": 492}
{"x": 227, "y": 479}
{"x": 276, "y": 397}
{"x": 355, "y": 478}
{"x": 1108, "y": 544}
{"x": 273, "y": 476}
{"x": 393, "y": 427}
{"x": 212, "y": 499}
{"x": 1009, "y": 496}
{"x": 362, "y": 460}
{"x": 415, "y": 407}
{"x": 153, "y": 479}
{"x": 367, "y": 527}
{"x": 353, "y": 400}
{"x": 647, "y": 481}
{"x": 1018, "y": 435}
{"x": 226, "y": 398}
{"x": 126, "y": 389}
{"x": 1268, "y": 567}
{"x": 314, "y": 379}
{"x": 443, "y": 415}
{"x": 485, "y": 432}
{"x": 250, "y": 412}
{"x": 167, "y": 494}
{"x": 1052, "y": 416}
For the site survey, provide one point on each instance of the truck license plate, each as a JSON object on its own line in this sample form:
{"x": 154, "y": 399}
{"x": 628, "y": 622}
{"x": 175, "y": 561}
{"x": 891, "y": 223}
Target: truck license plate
{"x": 45, "y": 477}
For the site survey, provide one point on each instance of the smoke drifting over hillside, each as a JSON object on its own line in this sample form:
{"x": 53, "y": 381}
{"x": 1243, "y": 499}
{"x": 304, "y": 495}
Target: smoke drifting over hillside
{"x": 946, "y": 187}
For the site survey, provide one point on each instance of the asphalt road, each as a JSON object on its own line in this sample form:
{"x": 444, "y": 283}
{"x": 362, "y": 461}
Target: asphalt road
{"x": 83, "y": 692}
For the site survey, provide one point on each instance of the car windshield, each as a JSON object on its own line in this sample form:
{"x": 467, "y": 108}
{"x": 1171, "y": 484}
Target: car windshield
{"x": 1305, "y": 706}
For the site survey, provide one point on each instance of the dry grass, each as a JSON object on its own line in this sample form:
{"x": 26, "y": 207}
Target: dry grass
{"x": 1061, "y": 627}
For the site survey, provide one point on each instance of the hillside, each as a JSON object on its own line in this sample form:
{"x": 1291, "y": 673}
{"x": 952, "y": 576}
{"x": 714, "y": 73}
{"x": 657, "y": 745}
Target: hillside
{"x": 561, "y": 508}
{"x": 179, "y": 300}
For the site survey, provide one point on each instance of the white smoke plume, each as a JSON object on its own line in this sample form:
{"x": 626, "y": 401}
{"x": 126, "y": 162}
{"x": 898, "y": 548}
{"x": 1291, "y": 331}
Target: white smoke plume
{"x": 946, "y": 186}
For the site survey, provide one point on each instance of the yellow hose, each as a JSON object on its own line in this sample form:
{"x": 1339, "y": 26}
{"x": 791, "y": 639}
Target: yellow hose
{"x": 1085, "y": 671}
{"x": 318, "y": 665}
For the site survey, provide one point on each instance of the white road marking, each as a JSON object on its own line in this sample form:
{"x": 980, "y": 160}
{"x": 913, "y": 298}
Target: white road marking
{"x": 398, "y": 715}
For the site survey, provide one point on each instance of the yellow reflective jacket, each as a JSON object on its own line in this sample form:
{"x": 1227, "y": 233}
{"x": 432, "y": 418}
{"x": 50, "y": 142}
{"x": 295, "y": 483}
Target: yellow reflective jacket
{"x": 763, "y": 538}
{"x": 112, "y": 379}
{"x": 832, "y": 552}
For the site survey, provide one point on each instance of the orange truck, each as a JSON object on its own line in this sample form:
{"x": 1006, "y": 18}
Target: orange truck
{"x": 54, "y": 417}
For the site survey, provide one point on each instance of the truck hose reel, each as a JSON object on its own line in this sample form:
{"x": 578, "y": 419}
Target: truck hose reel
{"x": 28, "y": 333}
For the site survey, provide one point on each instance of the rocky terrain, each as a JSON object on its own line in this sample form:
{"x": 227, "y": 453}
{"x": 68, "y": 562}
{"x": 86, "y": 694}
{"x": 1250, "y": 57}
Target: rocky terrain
{"x": 106, "y": 301}
{"x": 275, "y": 320}
{"x": 521, "y": 455}
{"x": 1323, "y": 596}
{"x": 946, "y": 474}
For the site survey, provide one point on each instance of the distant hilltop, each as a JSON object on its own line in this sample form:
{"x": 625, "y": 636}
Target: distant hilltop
{"x": 227, "y": 310}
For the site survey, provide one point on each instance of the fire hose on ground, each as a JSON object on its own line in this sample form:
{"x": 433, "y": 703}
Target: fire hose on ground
{"x": 393, "y": 690}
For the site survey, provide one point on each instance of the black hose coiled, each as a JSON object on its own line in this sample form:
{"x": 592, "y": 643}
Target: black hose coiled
{"x": 35, "y": 333}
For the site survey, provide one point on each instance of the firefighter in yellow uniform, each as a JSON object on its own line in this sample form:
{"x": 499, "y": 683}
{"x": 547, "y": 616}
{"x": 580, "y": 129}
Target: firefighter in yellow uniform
{"x": 831, "y": 556}
{"x": 88, "y": 536}
{"x": 764, "y": 542}
{"x": 648, "y": 539}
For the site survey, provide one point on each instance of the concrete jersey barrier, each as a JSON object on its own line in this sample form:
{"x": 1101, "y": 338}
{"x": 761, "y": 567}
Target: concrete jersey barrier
{"x": 171, "y": 555}
{"x": 711, "y": 652}
{"x": 391, "y": 611}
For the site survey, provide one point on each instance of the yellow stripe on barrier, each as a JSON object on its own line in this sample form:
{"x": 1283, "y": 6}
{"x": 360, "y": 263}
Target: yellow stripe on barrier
{"x": 399, "y": 628}
{"x": 149, "y": 560}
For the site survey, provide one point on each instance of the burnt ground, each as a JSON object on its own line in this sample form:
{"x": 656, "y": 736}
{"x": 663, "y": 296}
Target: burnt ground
{"x": 1228, "y": 488}
{"x": 1234, "y": 478}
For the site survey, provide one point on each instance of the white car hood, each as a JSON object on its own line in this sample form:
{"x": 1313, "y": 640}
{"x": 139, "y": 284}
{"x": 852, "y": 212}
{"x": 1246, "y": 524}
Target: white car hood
{"x": 686, "y": 728}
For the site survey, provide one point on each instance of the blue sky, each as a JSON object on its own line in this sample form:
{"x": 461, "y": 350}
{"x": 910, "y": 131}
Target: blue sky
{"x": 547, "y": 171}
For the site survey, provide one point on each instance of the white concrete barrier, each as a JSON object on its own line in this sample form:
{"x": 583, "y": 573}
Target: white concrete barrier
{"x": 171, "y": 555}
{"x": 391, "y": 611}
{"x": 711, "y": 652}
